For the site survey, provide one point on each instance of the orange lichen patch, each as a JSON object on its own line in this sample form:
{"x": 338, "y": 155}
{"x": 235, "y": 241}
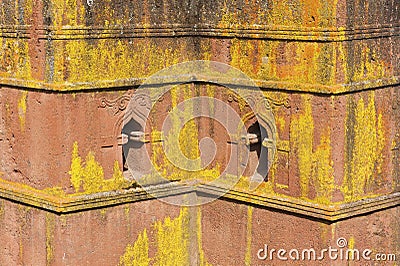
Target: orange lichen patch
{"x": 335, "y": 65}
{"x": 75, "y": 59}
{"x": 311, "y": 12}
{"x": 246, "y": 55}
{"x": 291, "y": 62}
{"x": 297, "y": 62}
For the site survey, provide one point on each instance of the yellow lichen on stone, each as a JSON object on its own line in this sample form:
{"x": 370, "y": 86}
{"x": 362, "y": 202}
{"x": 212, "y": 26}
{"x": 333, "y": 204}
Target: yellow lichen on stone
{"x": 57, "y": 13}
{"x": 305, "y": 66}
{"x": 202, "y": 258}
{"x": 89, "y": 175}
{"x": 50, "y": 226}
{"x": 188, "y": 134}
{"x": 172, "y": 240}
{"x": 67, "y": 13}
{"x": 1, "y": 209}
{"x": 103, "y": 213}
{"x": 370, "y": 66}
{"x": 117, "y": 181}
{"x": 298, "y": 62}
{"x": 294, "y": 62}
{"x": 171, "y": 244}
{"x": 324, "y": 66}
{"x": 280, "y": 122}
{"x": 93, "y": 175}
{"x": 76, "y": 171}
{"x": 302, "y": 135}
{"x": 249, "y": 232}
{"x": 27, "y": 7}
{"x": 180, "y": 145}
{"x": 15, "y": 59}
{"x": 112, "y": 60}
{"x": 178, "y": 157}
{"x": 138, "y": 253}
{"x": 368, "y": 141}
{"x": 246, "y": 56}
{"x": 351, "y": 253}
{"x": 22, "y": 109}
{"x": 322, "y": 171}
{"x": 282, "y": 13}
{"x": 55, "y": 191}
{"x": 72, "y": 13}
{"x": 351, "y": 242}
{"x": 315, "y": 165}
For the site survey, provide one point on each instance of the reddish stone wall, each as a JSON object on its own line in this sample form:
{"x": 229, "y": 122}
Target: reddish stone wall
{"x": 221, "y": 233}
{"x": 328, "y": 71}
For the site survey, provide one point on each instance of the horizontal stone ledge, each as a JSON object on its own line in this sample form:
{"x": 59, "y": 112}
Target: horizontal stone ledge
{"x": 110, "y": 85}
{"x": 277, "y": 32}
{"x": 67, "y": 203}
{"x": 63, "y": 204}
{"x": 329, "y": 213}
